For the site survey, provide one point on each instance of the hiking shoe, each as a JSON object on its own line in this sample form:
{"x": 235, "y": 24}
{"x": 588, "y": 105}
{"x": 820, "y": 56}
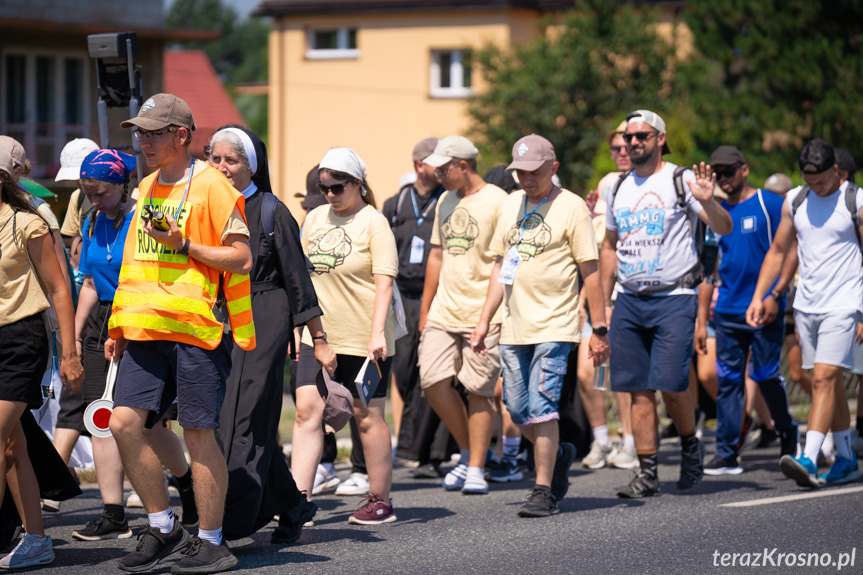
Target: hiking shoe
{"x": 789, "y": 442}
{"x": 204, "y": 557}
{"x": 691, "y": 466}
{"x": 455, "y": 478}
{"x": 640, "y": 485}
{"x": 373, "y": 512}
{"x": 325, "y": 479}
{"x": 560, "y": 475}
{"x": 723, "y": 466}
{"x": 800, "y": 469}
{"x": 597, "y": 457}
{"x": 31, "y": 550}
{"x": 50, "y": 505}
{"x": 153, "y": 546}
{"x": 427, "y": 471}
{"x": 474, "y": 484}
{"x": 291, "y": 524}
{"x": 103, "y": 527}
{"x": 506, "y": 470}
{"x": 540, "y": 503}
{"x": 843, "y": 471}
{"x": 623, "y": 457}
{"x": 357, "y": 484}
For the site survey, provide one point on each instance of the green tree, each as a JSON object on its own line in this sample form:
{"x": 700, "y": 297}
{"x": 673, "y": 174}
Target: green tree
{"x": 573, "y": 84}
{"x": 776, "y": 74}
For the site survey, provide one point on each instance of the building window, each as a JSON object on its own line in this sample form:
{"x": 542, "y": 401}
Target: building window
{"x": 451, "y": 74}
{"x": 332, "y": 44}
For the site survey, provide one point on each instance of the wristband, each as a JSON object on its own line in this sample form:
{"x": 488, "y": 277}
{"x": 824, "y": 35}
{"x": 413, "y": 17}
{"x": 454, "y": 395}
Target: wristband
{"x": 323, "y": 336}
{"x": 601, "y": 331}
{"x": 185, "y": 249}
{"x": 776, "y": 295}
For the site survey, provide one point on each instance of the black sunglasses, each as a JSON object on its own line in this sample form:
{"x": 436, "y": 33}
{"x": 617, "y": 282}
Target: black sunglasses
{"x": 640, "y": 136}
{"x": 336, "y": 189}
{"x": 727, "y": 171}
{"x": 617, "y": 149}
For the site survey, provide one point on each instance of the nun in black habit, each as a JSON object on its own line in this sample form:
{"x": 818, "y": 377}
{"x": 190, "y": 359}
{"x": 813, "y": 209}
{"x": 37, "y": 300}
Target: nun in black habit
{"x": 260, "y": 484}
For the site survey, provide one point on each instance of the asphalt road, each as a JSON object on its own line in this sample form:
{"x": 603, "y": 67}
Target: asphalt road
{"x": 440, "y": 532}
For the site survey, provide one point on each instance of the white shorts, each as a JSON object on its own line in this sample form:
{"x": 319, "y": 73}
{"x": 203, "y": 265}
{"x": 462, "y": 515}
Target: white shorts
{"x": 827, "y": 338}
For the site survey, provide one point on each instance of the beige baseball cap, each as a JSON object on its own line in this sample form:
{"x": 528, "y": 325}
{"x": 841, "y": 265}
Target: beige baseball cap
{"x": 452, "y": 147}
{"x": 621, "y": 128}
{"x": 161, "y": 111}
{"x": 72, "y": 157}
{"x": 14, "y": 147}
{"x": 6, "y": 163}
{"x": 530, "y": 153}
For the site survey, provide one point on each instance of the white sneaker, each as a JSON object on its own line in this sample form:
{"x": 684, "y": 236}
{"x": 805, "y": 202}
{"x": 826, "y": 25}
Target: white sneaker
{"x": 597, "y": 456}
{"x": 325, "y": 479}
{"x": 134, "y": 500}
{"x": 31, "y": 550}
{"x": 357, "y": 484}
{"x": 50, "y": 505}
{"x": 623, "y": 457}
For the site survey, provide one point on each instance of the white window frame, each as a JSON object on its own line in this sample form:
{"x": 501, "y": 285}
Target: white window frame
{"x": 457, "y": 89}
{"x": 343, "y": 52}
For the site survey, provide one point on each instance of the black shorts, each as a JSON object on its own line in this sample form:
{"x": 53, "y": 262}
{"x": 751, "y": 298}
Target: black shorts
{"x": 95, "y": 364}
{"x": 24, "y": 353}
{"x": 346, "y": 371}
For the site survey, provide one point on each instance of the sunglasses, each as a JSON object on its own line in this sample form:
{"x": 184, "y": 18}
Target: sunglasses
{"x": 336, "y": 189}
{"x": 640, "y": 136}
{"x": 727, "y": 171}
{"x": 617, "y": 149}
{"x": 444, "y": 170}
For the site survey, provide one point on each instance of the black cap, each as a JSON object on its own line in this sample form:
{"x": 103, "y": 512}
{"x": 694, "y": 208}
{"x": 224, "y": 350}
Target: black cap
{"x": 726, "y": 156}
{"x": 816, "y": 157}
{"x": 845, "y": 161}
{"x": 501, "y": 178}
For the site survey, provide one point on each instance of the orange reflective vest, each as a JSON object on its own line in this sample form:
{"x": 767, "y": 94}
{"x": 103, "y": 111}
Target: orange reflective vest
{"x": 163, "y": 295}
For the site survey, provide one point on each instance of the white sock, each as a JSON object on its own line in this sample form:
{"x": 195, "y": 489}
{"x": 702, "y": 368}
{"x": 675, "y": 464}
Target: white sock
{"x": 814, "y": 439}
{"x": 329, "y": 467}
{"x": 828, "y": 444}
{"x": 163, "y": 520}
{"x": 464, "y": 456}
{"x": 213, "y": 536}
{"x": 629, "y": 441}
{"x": 843, "y": 443}
{"x": 600, "y": 435}
{"x": 510, "y": 446}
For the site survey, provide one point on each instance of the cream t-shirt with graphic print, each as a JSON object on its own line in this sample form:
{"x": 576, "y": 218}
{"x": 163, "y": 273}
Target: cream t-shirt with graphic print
{"x": 463, "y": 230}
{"x": 542, "y": 304}
{"x": 347, "y": 253}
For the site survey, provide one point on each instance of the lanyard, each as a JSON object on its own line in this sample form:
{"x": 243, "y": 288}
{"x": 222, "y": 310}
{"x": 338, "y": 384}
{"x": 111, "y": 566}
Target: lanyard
{"x": 421, "y": 218}
{"x": 527, "y": 216}
{"x": 185, "y": 192}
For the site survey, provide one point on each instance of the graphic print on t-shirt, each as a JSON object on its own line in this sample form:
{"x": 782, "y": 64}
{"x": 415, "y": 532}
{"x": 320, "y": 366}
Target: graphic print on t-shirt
{"x": 648, "y": 215}
{"x": 329, "y": 250}
{"x": 459, "y": 231}
{"x": 537, "y": 235}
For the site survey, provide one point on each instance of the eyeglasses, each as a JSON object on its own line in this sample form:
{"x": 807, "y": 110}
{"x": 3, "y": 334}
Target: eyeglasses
{"x": 153, "y": 135}
{"x": 727, "y": 171}
{"x": 617, "y": 149}
{"x": 444, "y": 170}
{"x": 640, "y": 136}
{"x": 336, "y": 189}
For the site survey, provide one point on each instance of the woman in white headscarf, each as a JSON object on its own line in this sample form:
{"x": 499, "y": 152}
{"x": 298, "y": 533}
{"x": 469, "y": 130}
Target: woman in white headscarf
{"x": 353, "y": 252}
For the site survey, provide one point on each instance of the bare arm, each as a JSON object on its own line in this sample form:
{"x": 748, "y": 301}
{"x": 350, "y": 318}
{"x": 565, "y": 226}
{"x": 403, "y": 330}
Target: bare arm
{"x": 431, "y": 282}
{"x": 608, "y": 267}
{"x": 598, "y": 348}
{"x": 324, "y": 354}
{"x": 232, "y": 256}
{"x": 383, "y": 297}
{"x": 87, "y": 299}
{"x": 60, "y": 252}
{"x": 493, "y": 298}
{"x": 773, "y": 264}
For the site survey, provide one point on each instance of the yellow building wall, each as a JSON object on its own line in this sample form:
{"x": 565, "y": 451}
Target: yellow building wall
{"x": 378, "y": 104}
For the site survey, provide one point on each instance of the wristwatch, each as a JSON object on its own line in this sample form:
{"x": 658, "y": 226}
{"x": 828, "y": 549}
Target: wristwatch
{"x": 323, "y": 336}
{"x": 185, "y": 249}
{"x": 776, "y": 295}
{"x": 601, "y": 331}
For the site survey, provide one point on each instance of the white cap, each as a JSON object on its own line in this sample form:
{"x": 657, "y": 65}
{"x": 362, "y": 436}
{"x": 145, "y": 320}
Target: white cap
{"x": 72, "y": 157}
{"x": 407, "y": 179}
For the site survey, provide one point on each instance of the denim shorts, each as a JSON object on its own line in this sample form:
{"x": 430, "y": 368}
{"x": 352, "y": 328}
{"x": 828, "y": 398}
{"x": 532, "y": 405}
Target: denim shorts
{"x": 535, "y": 400}
{"x": 153, "y": 373}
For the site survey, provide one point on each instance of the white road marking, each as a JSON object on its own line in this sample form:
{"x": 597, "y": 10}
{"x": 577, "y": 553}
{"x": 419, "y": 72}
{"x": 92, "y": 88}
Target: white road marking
{"x": 798, "y": 497}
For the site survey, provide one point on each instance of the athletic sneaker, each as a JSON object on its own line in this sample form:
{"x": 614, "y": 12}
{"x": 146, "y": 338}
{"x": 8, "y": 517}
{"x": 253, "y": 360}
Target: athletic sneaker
{"x": 506, "y": 470}
{"x": 560, "y": 475}
{"x": 204, "y": 557}
{"x": 540, "y": 503}
{"x": 357, "y": 484}
{"x": 474, "y": 484}
{"x": 153, "y": 546}
{"x": 691, "y": 466}
{"x": 291, "y": 524}
{"x": 373, "y": 512}
{"x": 623, "y": 457}
{"x": 103, "y": 527}
{"x": 597, "y": 457}
{"x": 800, "y": 469}
{"x": 640, "y": 485}
{"x": 455, "y": 478}
{"x": 427, "y": 471}
{"x": 789, "y": 442}
{"x": 50, "y": 505}
{"x": 843, "y": 471}
{"x": 722, "y": 466}
{"x": 31, "y": 550}
{"x": 766, "y": 436}
{"x": 325, "y": 479}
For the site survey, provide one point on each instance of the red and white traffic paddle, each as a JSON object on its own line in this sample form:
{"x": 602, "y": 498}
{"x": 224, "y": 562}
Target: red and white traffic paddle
{"x": 97, "y": 416}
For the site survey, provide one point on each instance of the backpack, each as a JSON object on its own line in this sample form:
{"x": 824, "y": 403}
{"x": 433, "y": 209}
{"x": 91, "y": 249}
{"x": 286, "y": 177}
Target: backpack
{"x": 706, "y": 243}
{"x": 850, "y": 204}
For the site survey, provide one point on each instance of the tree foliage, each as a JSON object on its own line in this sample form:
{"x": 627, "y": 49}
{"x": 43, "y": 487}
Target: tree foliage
{"x": 573, "y": 84}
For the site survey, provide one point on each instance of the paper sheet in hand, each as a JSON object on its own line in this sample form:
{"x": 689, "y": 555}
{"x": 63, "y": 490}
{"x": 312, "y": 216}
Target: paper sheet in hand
{"x": 367, "y": 380}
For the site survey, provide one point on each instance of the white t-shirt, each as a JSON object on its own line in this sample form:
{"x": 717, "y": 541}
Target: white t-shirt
{"x": 654, "y": 240}
{"x": 831, "y": 276}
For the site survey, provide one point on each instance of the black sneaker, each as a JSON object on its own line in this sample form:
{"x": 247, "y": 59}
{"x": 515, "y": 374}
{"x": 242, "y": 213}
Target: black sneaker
{"x": 691, "y": 466}
{"x": 204, "y": 557}
{"x": 103, "y": 527}
{"x": 641, "y": 485}
{"x": 766, "y": 437}
{"x": 291, "y": 524}
{"x": 788, "y": 442}
{"x": 540, "y": 503}
{"x": 190, "y": 508}
{"x": 153, "y": 546}
{"x": 560, "y": 475}
{"x": 722, "y": 466}
{"x": 427, "y": 471}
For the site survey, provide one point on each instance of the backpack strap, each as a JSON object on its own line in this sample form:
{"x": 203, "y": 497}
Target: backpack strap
{"x": 268, "y": 218}
{"x": 616, "y": 187}
{"x": 398, "y": 207}
{"x": 851, "y": 203}
{"x": 678, "y": 186}
{"x": 798, "y": 200}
